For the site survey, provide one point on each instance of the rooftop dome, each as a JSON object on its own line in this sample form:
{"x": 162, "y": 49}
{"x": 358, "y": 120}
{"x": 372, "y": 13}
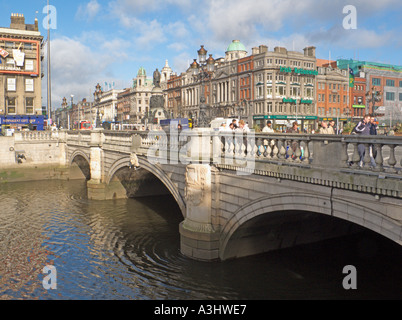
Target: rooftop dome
{"x": 236, "y": 45}
{"x": 141, "y": 72}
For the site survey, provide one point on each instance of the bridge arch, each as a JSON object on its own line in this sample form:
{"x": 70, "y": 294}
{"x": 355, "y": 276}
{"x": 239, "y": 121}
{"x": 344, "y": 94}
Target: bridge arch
{"x": 307, "y": 203}
{"x": 79, "y": 153}
{"x": 154, "y": 170}
{"x": 83, "y": 162}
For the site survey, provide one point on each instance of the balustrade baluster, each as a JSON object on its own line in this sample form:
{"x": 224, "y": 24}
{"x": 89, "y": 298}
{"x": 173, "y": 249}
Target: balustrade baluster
{"x": 366, "y": 159}
{"x": 243, "y": 147}
{"x": 267, "y": 153}
{"x": 355, "y": 156}
{"x": 289, "y": 151}
{"x": 306, "y": 153}
{"x": 275, "y": 149}
{"x": 297, "y": 151}
{"x": 392, "y": 159}
{"x": 282, "y": 152}
{"x": 261, "y": 150}
{"x": 344, "y": 155}
{"x": 379, "y": 159}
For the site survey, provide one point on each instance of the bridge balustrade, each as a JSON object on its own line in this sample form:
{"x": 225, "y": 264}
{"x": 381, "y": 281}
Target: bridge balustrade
{"x": 382, "y": 153}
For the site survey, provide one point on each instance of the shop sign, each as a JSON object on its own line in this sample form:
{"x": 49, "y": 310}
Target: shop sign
{"x": 290, "y": 100}
{"x": 298, "y": 71}
{"x": 3, "y": 53}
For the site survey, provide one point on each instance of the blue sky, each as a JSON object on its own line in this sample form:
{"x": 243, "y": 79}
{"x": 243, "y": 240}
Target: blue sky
{"x": 109, "y": 40}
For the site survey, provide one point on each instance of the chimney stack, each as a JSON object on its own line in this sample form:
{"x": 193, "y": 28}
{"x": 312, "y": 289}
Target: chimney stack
{"x": 17, "y": 21}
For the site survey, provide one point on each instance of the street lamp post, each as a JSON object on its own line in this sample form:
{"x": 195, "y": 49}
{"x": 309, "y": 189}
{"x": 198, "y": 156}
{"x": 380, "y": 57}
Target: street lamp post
{"x": 97, "y": 95}
{"x": 72, "y": 105}
{"x": 202, "y": 71}
{"x": 373, "y": 97}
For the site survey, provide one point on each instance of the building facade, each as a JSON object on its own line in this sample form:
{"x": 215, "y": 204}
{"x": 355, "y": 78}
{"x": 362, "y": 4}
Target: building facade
{"x": 333, "y": 92}
{"x": 383, "y": 86}
{"x": 20, "y": 70}
{"x": 285, "y": 86}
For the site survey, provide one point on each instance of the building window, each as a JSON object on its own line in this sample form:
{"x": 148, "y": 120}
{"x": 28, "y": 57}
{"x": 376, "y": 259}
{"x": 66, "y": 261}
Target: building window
{"x": 29, "y": 65}
{"x": 29, "y": 102}
{"x": 376, "y": 82}
{"x": 400, "y": 96}
{"x": 400, "y": 84}
{"x": 390, "y": 83}
{"x": 294, "y": 91}
{"x": 11, "y": 84}
{"x": 28, "y": 46}
{"x": 390, "y": 96}
{"x": 280, "y": 90}
{"x": 11, "y": 104}
{"x": 270, "y": 107}
{"x": 308, "y": 92}
{"x": 29, "y": 85}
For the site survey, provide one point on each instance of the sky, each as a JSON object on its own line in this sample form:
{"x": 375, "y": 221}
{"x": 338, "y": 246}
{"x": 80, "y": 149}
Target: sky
{"x": 98, "y": 41}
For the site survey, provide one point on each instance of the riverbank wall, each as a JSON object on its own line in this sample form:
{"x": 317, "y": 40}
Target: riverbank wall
{"x": 35, "y": 156}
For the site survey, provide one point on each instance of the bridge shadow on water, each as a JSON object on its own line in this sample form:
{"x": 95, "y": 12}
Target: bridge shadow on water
{"x": 307, "y": 271}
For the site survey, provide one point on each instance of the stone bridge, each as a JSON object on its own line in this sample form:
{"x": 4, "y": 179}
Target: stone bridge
{"x": 242, "y": 195}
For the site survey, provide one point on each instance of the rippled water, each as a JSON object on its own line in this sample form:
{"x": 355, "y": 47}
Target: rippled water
{"x": 129, "y": 249}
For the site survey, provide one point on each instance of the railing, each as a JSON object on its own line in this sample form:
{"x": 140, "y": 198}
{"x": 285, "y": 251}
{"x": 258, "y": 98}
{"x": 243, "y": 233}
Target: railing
{"x": 381, "y": 153}
{"x": 36, "y": 135}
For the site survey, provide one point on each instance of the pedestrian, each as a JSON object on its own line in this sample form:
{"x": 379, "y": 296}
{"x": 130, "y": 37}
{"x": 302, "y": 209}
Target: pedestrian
{"x": 333, "y": 127}
{"x": 294, "y": 128}
{"x": 268, "y": 129}
{"x": 373, "y": 132}
{"x": 363, "y": 129}
{"x": 242, "y": 127}
{"x": 223, "y": 127}
{"x": 325, "y": 129}
{"x": 295, "y": 144}
{"x": 235, "y": 126}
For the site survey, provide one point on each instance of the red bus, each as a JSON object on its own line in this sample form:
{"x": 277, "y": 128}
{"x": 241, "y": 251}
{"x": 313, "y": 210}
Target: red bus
{"x": 85, "y": 125}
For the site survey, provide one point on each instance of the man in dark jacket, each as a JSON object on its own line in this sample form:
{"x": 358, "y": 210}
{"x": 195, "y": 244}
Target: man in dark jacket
{"x": 373, "y": 132}
{"x": 363, "y": 128}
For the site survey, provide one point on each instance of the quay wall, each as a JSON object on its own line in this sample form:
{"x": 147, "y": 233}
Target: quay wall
{"x": 24, "y": 159}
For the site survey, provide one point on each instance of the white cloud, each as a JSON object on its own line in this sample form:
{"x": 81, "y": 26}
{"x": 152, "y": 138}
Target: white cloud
{"x": 181, "y": 62}
{"x": 76, "y": 69}
{"x": 150, "y": 35}
{"x": 88, "y": 11}
{"x": 177, "y": 46}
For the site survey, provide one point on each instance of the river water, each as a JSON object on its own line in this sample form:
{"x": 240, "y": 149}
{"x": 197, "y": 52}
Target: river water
{"x": 130, "y": 249}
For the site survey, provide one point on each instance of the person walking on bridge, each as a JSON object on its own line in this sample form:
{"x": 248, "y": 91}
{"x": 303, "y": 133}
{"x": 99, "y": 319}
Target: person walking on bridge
{"x": 363, "y": 129}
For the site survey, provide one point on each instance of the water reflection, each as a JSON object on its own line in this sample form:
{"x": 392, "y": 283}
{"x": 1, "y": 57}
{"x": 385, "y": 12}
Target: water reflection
{"x": 129, "y": 249}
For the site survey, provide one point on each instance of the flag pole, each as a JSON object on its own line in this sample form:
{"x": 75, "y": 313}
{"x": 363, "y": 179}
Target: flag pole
{"x": 49, "y": 94}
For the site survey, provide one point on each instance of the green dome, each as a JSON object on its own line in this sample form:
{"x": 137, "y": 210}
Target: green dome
{"x": 236, "y": 45}
{"x": 141, "y": 72}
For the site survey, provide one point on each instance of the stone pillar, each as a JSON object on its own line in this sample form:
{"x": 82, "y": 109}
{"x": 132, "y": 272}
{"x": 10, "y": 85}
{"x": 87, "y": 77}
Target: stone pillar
{"x": 96, "y": 186}
{"x": 199, "y": 239}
